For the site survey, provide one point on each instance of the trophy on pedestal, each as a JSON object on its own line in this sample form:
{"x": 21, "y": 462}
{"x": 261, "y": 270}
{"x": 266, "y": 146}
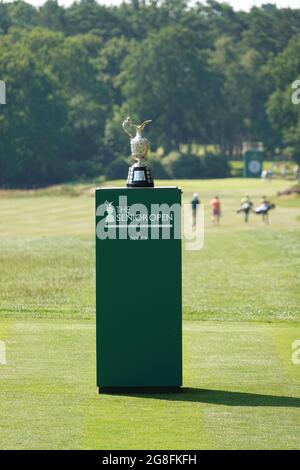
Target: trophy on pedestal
{"x": 139, "y": 174}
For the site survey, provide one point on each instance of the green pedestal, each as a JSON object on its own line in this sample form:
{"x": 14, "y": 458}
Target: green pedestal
{"x": 138, "y": 289}
{"x": 253, "y": 163}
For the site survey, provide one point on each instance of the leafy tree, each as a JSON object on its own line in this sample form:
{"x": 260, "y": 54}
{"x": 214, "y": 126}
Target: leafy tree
{"x": 22, "y": 14}
{"x": 205, "y": 73}
{"x": 30, "y": 125}
{"x": 57, "y": 81}
{"x": 5, "y": 21}
{"x": 284, "y": 115}
{"x": 178, "y": 165}
{"x": 52, "y": 16}
{"x": 87, "y": 16}
{"x": 167, "y": 78}
{"x": 111, "y": 58}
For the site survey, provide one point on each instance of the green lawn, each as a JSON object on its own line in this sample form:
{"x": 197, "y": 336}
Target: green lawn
{"x": 241, "y": 309}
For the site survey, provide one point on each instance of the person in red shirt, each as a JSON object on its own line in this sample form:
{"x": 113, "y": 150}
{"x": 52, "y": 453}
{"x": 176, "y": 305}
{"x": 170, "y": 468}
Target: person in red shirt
{"x": 215, "y": 210}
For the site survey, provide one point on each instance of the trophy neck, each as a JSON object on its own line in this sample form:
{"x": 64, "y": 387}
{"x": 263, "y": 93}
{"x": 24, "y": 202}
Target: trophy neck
{"x": 140, "y": 161}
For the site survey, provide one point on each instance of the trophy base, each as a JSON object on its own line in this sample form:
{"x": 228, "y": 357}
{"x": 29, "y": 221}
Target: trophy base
{"x": 139, "y": 177}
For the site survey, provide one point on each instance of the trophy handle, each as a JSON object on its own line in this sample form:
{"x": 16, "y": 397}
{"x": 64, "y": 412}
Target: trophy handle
{"x": 139, "y": 128}
{"x": 126, "y": 124}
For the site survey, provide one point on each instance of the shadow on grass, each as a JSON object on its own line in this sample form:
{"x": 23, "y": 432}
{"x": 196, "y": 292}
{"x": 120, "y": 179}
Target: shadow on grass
{"x": 217, "y": 397}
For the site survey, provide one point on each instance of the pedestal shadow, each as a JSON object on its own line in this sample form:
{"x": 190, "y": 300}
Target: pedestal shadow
{"x": 216, "y": 397}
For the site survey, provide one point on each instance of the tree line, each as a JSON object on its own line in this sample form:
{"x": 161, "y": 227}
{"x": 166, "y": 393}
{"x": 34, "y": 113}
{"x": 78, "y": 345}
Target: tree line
{"x": 205, "y": 74}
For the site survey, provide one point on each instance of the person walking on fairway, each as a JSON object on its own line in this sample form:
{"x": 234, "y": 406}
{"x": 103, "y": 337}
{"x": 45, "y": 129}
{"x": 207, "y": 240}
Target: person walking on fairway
{"x": 194, "y": 204}
{"x": 216, "y": 210}
{"x": 246, "y": 207}
{"x": 263, "y": 209}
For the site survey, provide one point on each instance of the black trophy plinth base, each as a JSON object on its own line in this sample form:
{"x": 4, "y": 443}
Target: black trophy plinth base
{"x": 139, "y": 177}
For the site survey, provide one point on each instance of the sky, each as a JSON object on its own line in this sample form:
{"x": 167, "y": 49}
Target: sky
{"x": 237, "y": 4}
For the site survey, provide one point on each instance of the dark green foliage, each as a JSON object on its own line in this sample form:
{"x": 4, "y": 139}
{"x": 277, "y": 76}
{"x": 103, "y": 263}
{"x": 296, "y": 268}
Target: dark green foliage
{"x": 174, "y": 85}
{"x": 52, "y": 16}
{"x": 283, "y": 114}
{"x": 215, "y": 166}
{"x": 51, "y": 127}
{"x": 179, "y": 165}
{"x": 158, "y": 168}
{"x": 118, "y": 169}
{"x": 205, "y": 74}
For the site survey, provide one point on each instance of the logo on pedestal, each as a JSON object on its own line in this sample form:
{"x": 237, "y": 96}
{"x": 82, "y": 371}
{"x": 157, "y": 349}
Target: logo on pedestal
{"x": 109, "y": 219}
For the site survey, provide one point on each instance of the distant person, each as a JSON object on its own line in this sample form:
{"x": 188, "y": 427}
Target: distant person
{"x": 270, "y": 174}
{"x": 284, "y": 171}
{"x": 215, "y": 205}
{"x": 264, "y": 175}
{"x": 297, "y": 172}
{"x": 246, "y": 207}
{"x": 194, "y": 205}
{"x": 264, "y": 208}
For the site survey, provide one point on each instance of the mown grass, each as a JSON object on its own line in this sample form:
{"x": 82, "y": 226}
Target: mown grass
{"x": 243, "y": 272}
{"x": 241, "y": 391}
{"x": 54, "y": 277}
{"x": 241, "y": 311}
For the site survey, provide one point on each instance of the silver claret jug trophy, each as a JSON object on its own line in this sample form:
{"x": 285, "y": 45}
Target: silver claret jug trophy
{"x": 139, "y": 174}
